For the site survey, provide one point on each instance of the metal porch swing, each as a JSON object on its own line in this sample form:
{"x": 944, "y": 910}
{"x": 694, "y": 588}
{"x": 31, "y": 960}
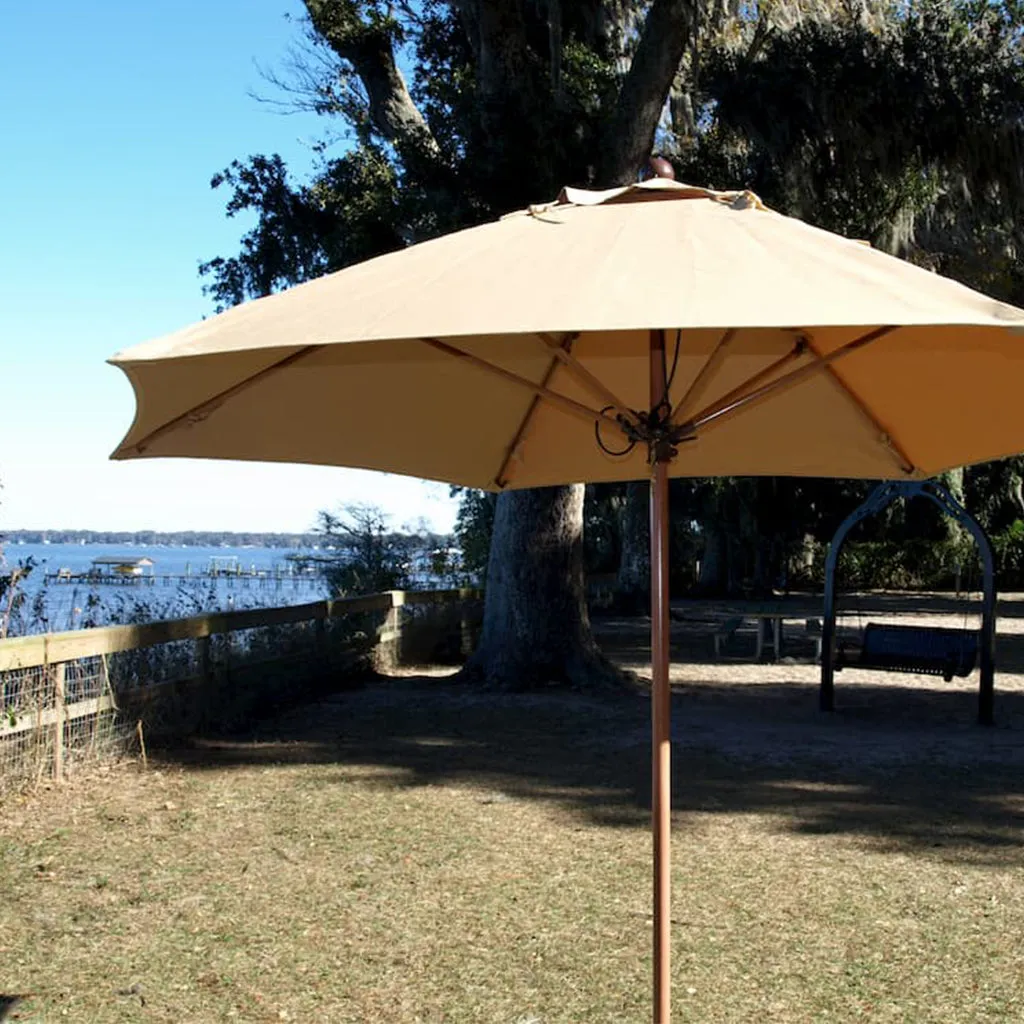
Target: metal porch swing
{"x": 919, "y": 649}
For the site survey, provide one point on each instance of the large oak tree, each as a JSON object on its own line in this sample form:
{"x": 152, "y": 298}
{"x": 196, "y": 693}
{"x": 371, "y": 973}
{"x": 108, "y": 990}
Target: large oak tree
{"x": 458, "y": 112}
{"x": 900, "y": 125}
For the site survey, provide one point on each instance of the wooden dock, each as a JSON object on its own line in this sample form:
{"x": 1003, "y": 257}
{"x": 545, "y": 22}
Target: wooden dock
{"x": 251, "y": 577}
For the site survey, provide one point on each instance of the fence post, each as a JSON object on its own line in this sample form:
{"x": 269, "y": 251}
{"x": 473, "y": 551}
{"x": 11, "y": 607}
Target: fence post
{"x": 321, "y": 653}
{"x": 206, "y": 677}
{"x": 204, "y": 659}
{"x": 229, "y": 680}
{"x": 465, "y": 623}
{"x": 390, "y": 644}
{"x": 58, "y": 728}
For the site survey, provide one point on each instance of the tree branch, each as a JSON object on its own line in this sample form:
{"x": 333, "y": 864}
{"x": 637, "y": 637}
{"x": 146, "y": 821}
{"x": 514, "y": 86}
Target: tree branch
{"x": 667, "y": 31}
{"x": 367, "y": 42}
{"x": 496, "y": 30}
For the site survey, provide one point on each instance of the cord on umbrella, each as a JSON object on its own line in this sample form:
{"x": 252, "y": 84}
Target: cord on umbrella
{"x": 649, "y": 427}
{"x": 630, "y": 443}
{"x": 670, "y": 375}
{"x": 662, "y": 412}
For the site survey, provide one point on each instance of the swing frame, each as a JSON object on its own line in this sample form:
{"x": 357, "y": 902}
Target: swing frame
{"x": 879, "y": 499}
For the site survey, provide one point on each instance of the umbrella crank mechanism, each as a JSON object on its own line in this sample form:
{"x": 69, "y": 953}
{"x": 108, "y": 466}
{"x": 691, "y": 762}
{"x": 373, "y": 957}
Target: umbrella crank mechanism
{"x": 657, "y": 432}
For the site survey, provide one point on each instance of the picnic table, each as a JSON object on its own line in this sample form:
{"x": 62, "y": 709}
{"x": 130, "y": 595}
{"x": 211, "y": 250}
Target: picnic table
{"x": 770, "y": 615}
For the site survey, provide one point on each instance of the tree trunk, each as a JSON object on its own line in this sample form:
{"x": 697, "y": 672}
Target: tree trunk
{"x": 633, "y": 583}
{"x": 536, "y": 626}
{"x": 668, "y": 28}
{"x": 714, "y": 577}
{"x": 536, "y": 629}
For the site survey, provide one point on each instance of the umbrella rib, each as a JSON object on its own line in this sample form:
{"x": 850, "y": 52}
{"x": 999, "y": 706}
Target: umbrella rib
{"x": 892, "y": 446}
{"x": 569, "y": 405}
{"x": 713, "y": 362}
{"x": 203, "y": 409}
{"x": 584, "y": 376}
{"x": 743, "y": 391}
{"x": 501, "y": 477}
{"x": 733, "y": 403}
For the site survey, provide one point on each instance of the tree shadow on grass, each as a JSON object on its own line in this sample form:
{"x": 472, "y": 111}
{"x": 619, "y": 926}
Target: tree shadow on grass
{"x": 8, "y": 1003}
{"x": 905, "y": 770}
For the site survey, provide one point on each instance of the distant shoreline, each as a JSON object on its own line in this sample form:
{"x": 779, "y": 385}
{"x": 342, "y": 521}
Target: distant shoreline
{"x": 154, "y": 538}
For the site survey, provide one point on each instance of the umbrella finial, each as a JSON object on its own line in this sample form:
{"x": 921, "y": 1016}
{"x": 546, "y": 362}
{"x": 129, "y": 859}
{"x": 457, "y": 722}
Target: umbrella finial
{"x": 660, "y": 167}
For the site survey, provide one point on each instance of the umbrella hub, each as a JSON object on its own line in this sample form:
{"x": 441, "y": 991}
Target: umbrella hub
{"x": 656, "y": 430}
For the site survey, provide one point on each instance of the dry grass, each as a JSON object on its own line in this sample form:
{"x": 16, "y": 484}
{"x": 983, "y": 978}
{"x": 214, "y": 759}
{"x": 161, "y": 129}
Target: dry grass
{"x": 414, "y": 852}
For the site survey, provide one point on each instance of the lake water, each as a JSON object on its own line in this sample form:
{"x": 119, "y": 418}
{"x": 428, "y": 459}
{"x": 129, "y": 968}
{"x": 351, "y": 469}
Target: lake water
{"x": 58, "y": 606}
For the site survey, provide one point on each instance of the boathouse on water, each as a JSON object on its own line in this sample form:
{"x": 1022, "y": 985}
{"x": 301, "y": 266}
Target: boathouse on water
{"x": 121, "y": 566}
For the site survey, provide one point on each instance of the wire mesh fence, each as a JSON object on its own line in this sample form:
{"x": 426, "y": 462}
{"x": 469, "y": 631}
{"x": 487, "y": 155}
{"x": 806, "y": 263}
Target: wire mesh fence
{"x": 67, "y": 699}
{"x": 24, "y": 753}
{"x": 56, "y": 718}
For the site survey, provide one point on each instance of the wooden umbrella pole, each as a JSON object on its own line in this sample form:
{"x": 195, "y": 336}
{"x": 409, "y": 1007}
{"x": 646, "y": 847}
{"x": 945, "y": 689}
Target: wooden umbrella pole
{"x": 661, "y": 799}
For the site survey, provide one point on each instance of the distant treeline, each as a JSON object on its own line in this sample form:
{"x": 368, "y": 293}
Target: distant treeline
{"x": 209, "y": 538}
{"x": 147, "y": 538}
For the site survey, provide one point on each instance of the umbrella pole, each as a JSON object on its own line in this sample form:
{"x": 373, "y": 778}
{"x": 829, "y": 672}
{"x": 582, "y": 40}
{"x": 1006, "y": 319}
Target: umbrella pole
{"x": 661, "y": 800}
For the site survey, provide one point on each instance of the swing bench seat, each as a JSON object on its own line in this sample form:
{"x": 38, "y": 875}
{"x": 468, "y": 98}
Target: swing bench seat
{"x": 924, "y": 650}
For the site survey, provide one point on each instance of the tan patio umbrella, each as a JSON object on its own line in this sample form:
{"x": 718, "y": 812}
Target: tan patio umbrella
{"x": 654, "y": 330}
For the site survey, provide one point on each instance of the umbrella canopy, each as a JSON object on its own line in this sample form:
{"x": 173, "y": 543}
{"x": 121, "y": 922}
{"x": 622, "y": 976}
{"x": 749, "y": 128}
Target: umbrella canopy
{"x": 801, "y": 353}
{"x": 657, "y": 329}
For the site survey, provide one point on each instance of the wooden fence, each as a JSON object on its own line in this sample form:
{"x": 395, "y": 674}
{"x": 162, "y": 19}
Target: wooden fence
{"x": 86, "y": 692}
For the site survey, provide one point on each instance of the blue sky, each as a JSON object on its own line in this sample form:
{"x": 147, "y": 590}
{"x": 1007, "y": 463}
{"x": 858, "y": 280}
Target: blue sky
{"x": 113, "y": 118}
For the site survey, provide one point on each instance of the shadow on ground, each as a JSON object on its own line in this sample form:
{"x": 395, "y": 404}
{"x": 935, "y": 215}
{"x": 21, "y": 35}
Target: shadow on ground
{"x": 8, "y": 1004}
{"x": 906, "y": 769}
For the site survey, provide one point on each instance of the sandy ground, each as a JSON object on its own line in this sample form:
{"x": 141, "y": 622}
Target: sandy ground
{"x": 769, "y": 711}
{"x": 413, "y": 850}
